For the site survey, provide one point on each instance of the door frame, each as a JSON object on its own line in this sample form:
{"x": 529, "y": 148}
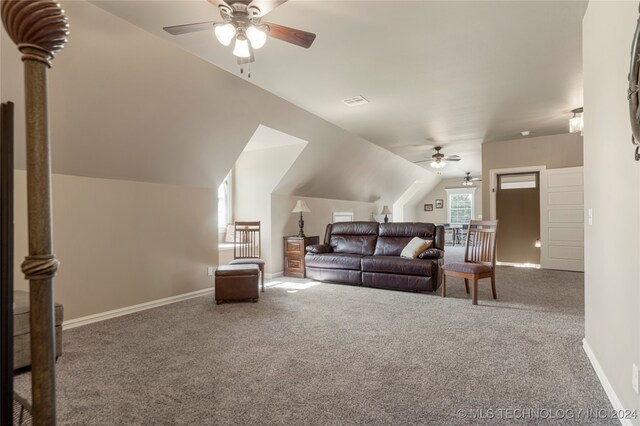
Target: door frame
{"x": 493, "y": 180}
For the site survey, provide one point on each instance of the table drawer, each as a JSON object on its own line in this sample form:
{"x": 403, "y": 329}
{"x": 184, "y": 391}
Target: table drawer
{"x": 294, "y": 246}
{"x": 294, "y": 263}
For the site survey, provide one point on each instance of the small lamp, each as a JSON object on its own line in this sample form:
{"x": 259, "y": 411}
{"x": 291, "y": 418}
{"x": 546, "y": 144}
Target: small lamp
{"x": 385, "y": 211}
{"x": 301, "y": 207}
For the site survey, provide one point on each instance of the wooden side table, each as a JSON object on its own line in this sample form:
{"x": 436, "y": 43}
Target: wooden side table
{"x": 294, "y": 255}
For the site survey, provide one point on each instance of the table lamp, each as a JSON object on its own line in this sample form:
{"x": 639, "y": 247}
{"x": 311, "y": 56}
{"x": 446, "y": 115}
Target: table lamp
{"x": 385, "y": 212}
{"x": 301, "y": 207}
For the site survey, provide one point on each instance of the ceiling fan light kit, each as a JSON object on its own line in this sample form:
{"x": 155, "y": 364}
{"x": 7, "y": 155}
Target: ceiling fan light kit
{"x": 243, "y": 24}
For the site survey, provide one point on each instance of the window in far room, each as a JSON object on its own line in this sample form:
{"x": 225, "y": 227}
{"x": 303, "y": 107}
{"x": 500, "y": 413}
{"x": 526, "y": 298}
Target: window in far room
{"x": 225, "y": 204}
{"x": 460, "y": 205}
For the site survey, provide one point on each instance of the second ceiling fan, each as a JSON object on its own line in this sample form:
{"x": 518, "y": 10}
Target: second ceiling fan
{"x": 468, "y": 180}
{"x": 439, "y": 160}
{"x": 242, "y": 23}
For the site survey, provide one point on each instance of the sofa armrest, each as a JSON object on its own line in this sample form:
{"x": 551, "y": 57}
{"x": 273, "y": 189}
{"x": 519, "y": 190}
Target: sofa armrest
{"x": 319, "y": 248}
{"x": 431, "y": 253}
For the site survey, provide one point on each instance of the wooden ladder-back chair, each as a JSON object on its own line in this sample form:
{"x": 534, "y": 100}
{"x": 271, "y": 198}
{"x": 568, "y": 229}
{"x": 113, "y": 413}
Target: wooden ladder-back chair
{"x": 479, "y": 258}
{"x": 246, "y": 246}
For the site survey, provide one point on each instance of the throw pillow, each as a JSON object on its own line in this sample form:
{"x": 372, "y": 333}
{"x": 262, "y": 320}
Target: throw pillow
{"x": 415, "y": 247}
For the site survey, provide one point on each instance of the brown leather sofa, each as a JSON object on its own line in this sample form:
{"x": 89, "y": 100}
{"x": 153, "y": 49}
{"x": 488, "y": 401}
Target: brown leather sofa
{"x": 368, "y": 254}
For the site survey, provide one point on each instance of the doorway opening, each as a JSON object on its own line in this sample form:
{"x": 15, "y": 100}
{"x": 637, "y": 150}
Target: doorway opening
{"x": 518, "y": 213}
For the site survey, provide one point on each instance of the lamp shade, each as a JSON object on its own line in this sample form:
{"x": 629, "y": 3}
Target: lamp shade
{"x": 256, "y": 37}
{"x": 225, "y": 33}
{"x": 575, "y": 125}
{"x": 301, "y": 207}
{"x": 241, "y": 49}
{"x": 385, "y": 210}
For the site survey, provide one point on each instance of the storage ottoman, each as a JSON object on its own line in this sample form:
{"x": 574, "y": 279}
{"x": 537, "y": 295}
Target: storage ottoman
{"x": 237, "y": 282}
{"x": 22, "y": 328}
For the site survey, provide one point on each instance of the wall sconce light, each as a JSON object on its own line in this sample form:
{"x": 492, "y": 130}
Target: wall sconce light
{"x": 538, "y": 244}
{"x": 576, "y": 123}
{"x": 386, "y": 212}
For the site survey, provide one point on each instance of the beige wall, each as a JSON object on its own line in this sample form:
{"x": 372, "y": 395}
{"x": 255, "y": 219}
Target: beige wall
{"x": 122, "y": 243}
{"x": 286, "y": 223}
{"x": 439, "y": 192}
{"x": 612, "y": 242}
{"x": 555, "y": 151}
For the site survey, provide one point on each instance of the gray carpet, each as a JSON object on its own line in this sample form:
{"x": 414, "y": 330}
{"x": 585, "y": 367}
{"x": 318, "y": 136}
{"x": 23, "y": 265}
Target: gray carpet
{"x": 335, "y": 354}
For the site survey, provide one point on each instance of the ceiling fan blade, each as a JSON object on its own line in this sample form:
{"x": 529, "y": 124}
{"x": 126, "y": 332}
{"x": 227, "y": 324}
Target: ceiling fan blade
{"x": 452, "y": 158}
{"x": 189, "y": 28}
{"x": 476, "y": 179}
{"x": 266, "y": 6}
{"x": 291, "y": 35}
{"x": 421, "y": 161}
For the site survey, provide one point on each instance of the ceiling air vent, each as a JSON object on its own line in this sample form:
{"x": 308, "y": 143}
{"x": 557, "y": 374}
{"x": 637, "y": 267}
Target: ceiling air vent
{"x": 355, "y": 101}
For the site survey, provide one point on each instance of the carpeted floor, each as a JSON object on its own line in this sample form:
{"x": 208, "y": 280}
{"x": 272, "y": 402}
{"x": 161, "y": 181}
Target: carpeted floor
{"x": 318, "y": 354}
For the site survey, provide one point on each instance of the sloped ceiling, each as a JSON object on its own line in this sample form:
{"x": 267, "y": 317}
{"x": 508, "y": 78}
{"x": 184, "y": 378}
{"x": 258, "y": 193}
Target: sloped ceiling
{"x": 454, "y": 73}
{"x": 126, "y": 104}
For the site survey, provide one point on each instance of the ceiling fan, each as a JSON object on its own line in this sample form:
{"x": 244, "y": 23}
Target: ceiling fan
{"x": 439, "y": 160}
{"x": 468, "y": 180}
{"x": 243, "y": 23}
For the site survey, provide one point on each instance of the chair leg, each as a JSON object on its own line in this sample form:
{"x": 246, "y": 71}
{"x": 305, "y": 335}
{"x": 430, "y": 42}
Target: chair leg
{"x": 444, "y": 285}
{"x": 466, "y": 284}
{"x": 475, "y": 290}
{"x": 493, "y": 286}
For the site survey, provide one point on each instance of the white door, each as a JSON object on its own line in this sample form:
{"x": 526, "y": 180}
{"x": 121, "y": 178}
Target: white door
{"x": 562, "y": 219}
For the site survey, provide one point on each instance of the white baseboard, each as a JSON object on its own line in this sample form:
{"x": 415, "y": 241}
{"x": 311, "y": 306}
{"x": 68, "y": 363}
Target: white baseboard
{"x": 611, "y": 394}
{"x": 89, "y": 319}
{"x": 274, "y": 275}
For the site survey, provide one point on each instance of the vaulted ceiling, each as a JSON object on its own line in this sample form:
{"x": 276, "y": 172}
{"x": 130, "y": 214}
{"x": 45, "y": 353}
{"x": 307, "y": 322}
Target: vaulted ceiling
{"x": 450, "y": 73}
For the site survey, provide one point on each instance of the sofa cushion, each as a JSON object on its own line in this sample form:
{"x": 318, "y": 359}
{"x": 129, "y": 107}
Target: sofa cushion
{"x": 319, "y": 248}
{"x": 467, "y": 267}
{"x": 399, "y": 265}
{"x": 354, "y": 237}
{"x": 395, "y": 236}
{"x": 333, "y": 260}
{"x": 415, "y": 247}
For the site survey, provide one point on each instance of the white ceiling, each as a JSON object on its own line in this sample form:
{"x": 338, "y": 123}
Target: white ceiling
{"x": 450, "y": 73}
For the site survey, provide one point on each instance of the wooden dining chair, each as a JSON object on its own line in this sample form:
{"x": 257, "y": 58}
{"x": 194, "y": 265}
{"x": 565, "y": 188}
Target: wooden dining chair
{"x": 479, "y": 258}
{"x": 246, "y": 246}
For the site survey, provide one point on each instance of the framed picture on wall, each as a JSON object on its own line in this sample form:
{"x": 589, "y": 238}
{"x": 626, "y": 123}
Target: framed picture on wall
{"x": 342, "y": 217}
{"x": 428, "y": 207}
{"x": 439, "y": 204}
